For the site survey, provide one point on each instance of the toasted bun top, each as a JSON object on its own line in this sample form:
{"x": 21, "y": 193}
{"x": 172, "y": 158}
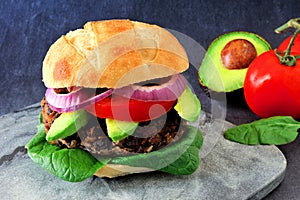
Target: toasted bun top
{"x": 112, "y": 54}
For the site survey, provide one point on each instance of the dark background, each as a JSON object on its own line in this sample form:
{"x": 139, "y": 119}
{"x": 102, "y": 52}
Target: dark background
{"x": 28, "y": 28}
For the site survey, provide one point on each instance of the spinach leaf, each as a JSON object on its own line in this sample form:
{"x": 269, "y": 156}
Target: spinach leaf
{"x": 76, "y": 165}
{"x": 186, "y": 164}
{"x": 181, "y": 157}
{"x": 68, "y": 164}
{"x": 274, "y": 130}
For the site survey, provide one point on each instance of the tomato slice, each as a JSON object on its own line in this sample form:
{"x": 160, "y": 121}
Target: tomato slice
{"x": 121, "y": 108}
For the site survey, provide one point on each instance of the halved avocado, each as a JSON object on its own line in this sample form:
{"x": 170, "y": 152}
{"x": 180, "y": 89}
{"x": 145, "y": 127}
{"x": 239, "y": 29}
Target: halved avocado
{"x": 224, "y": 66}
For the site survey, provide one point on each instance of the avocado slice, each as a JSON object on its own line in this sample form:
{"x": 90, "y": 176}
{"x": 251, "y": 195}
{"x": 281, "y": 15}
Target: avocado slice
{"x": 188, "y": 105}
{"x": 67, "y": 124}
{"x": 118, "y": 130}
{"x": 224, "y": 66}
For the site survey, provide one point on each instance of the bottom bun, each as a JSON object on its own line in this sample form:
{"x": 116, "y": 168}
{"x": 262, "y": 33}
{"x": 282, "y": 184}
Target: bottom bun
{"x": 114, "y": 170}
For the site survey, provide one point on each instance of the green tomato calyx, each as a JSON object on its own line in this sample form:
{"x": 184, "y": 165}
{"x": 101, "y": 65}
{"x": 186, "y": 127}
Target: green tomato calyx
{"x": 286, "y": 58}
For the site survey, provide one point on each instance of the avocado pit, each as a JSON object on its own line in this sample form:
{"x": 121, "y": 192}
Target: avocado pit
{"x": 238, "y": 54}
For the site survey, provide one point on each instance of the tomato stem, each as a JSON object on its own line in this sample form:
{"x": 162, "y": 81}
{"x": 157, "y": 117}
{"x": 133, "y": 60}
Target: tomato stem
{"x": 288, "y": 59}
{"x": 292, "y": 23}
{"x": 288, "y": 51}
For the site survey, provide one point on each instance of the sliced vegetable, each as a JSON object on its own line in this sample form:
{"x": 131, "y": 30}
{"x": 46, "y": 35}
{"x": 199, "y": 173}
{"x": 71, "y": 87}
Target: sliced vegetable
{"x": 188, "y": 105}
{"x": 67, "y": 124}
{"x": 133, "y": 103}
{"x": 118, "y": 130}
{"x": 274, "y": 130}
{"x": 124, "y": 109}
{"x": 74, "y": 100}
{"x": 168, "y": 91}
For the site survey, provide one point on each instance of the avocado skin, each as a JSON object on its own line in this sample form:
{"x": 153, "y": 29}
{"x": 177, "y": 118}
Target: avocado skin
{"x": 213, "y": 74}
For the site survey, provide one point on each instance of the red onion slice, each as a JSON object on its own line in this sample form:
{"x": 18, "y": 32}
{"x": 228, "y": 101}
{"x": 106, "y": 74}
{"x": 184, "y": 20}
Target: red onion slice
{"x": 74, "y": 100}
{"x": 168, "y": 91}
{"x": 80, "y": 97}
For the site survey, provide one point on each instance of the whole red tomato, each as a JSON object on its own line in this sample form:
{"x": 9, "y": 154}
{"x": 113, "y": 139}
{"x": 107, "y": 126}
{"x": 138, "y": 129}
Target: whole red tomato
{"x": 272, "y": 88}
{"x": 284, "y": 45}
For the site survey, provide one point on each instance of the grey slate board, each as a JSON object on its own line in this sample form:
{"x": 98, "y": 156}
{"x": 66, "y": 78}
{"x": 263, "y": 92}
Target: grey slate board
{"x": 228, "y": 171}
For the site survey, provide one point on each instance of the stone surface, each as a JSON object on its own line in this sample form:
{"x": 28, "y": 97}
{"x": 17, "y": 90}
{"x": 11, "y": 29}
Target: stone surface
{"x": 228, "y": 170}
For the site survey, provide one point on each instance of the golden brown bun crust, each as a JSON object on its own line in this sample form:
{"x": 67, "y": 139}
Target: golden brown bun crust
{"x": 113, "y": 53}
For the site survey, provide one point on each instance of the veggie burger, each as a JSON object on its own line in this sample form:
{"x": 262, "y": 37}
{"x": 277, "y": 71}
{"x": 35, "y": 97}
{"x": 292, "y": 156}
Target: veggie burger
{"x": 116, "y": 103}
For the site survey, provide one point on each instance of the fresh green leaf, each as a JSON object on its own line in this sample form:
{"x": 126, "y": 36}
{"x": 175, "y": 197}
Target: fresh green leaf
{"x": 186, "y": 164}
{"x": 68, "y": 164}
{"x": 76, "y": 165}
{"x": 181, "y": 157}
{"x": 274, "y": 130}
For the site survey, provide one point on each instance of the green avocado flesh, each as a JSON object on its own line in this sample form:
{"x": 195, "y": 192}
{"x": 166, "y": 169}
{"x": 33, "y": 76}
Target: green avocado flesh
{"x": 212, "y": 72}
{"x": 118, "y": 130}
{"x": 67, "y": 124}
{"x": 188, "y": 106}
